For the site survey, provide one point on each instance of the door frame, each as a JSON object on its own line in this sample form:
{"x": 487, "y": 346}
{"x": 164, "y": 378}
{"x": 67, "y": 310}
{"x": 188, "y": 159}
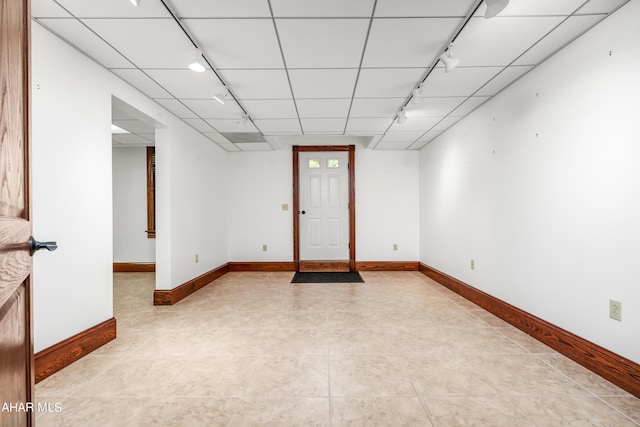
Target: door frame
{"x": 327, "y": 266}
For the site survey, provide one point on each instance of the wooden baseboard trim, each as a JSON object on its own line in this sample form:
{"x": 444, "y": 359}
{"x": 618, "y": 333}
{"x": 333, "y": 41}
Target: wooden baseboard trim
{"x": 262, "y": 266}
{"x": 324, "y": 266}
{"x": 133, "y": 267}
{"x": 620, "y": 371}
{"x": 52, "y": 359}
{"x": 172, "y": 296}
{"x": 387, "y": 265}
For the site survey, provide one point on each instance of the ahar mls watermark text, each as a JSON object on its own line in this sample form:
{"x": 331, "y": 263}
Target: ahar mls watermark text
{"x": 31, "y": 407}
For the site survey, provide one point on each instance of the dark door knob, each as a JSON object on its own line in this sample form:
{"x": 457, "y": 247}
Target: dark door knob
{"x": 35, "y": 246}
{"x": 303, "y": 212}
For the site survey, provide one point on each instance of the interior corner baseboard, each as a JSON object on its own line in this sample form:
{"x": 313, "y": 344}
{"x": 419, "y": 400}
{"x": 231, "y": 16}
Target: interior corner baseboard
{"x": 620, "y": 371}
{"x": 50, "y": 360}
{"x": 172, "y": 296}
{"x": 134, "y": 267}
{"x": 262, "y": 266}
{"x": 387, "y": 265}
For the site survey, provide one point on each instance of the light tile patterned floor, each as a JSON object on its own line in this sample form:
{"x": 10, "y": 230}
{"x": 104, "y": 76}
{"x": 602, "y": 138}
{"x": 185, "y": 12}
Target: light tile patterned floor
{"x": 253, "y": 349}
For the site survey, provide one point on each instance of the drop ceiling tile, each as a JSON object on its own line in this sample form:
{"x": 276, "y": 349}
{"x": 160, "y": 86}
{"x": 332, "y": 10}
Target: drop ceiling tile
{"x": 567, "y": 31}
{"x": 200, "y": 125}
{"x": 216, "y": 137}
{"x": 270, "y": 108}
{"x": 230, "y": 125}
{"x": 430, "y": 136}
{"x": 148, "y": 43}
{"x": 322, "y": 43}
{"x": 469, "y": 105}
{"x": 142, "y": 82}
{"x": 177, "y": 108}
{"x": 601, "y": 6}
{"x": 323, "y": 125}
{"x": 258, "y": 84}
{"x": 462, "y": 81}
{"x": 385, "y": 145}
{"x": 415, "y": 124}
{"x": 423, "y": 8}
{"x": 278, "y": 125}
{"x": 133, "y": 125}
{"x": 323, "y": 108}
{"x": 254, "y": 146}
{"x": 503, "y": 79}
{"x": 376, "y": 107}
{"x": 86, "y": 41}
{"x": 324, "y": 8}
{"x": 114, "y": 9}
{"x": 446, "y": 123}
{"x": 237, "y": 43}
{"x": 222, "y": 9}
{"x": 229, "y": 147}
{"x": 417, "y": 145}
{"x": 434, "y": 106}
{"x": 407, "y": 42}
{"x": 491, "y": 42}
{"x": 187, "y": 83}
{"x": 47, "y": 9}
{"x": 368, "y": 124}
{"x": 535, "y": 8}
{"x": 212, "y": 109}
{"x": 401, "y": 136}
{"x": 388, "y": 83}
{"x": 129, "y": 139}
{"x": 323, "y": 83}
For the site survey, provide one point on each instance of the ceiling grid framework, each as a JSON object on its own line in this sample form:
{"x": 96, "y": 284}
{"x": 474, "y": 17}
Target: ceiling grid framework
{"x": 306, "y": 70}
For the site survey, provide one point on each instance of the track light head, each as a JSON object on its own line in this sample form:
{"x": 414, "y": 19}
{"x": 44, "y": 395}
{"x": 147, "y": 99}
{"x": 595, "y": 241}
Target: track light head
{"x": 416, "y": 95}
{"x": 494, "y": 7}
{"x": 244, "y": 120}
{"x": 197, "y": 64}
{"x": 402, "y": 117}
{"x": 221, "y": 96}
{"x": 450, "y": 62}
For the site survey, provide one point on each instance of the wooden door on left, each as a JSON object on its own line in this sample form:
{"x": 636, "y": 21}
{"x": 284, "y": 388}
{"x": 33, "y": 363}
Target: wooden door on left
{"x": 16, "y": 337}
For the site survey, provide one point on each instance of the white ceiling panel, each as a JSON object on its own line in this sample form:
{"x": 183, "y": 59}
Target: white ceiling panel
{"x": 490, "y": 42}
{"x": 395, "y": 136}
{"x": 536, "y": 8}
{"x": 254, "y": 146}
{"x": 114, "y": 9}
{"x": 323, "y": 83}
{"x": 503, "y": 79}
{"x": 133, "y": 125}
{"x": 446, "y": 123}
{"x": 84, "y": 39}
{"x": 323, "y": 108}
{"x": 148, "y": 43}
{"x": 601, "y": 6}
{"x": 221, "y": 9}
{"x": 216, "y": 137}
{"x": 258, "y": 84}
{"x": 415, "y": 124}
{"x": 187, "y": 83}
{"x": 212, "y": 109}
{"x": 322, "y": 43}
{"x": 237, "y": 43}
{"x": 459, "y": 82}
{"x": 129, "y": 139}
{"x": 230, "y": 125}
{"x": 566, "y": 32}
{"x": 323, "y": 125}
{"x": 388, "y": 83}
{"x": 423, "y": 8}
{"x": 47, "y": 9}
{"x": 177, "y": 108}
{"x": 143, "y": 82}
{"x": 407, "y": 42}
{"x": 395, "y": 145}
{"x": 469, "y": 105}
{"x": 368, "y": 125}
{"x": 434, "y": 107}
{"x": 322, "y": 9}
{"x": 229, "y": 147}
{"x": 376, "y": 107}
{"x": 270, "y": 108}
{"x": 429, "y": 136}
{"x": 279, "y": 125}
{"x": 200, "y": 125}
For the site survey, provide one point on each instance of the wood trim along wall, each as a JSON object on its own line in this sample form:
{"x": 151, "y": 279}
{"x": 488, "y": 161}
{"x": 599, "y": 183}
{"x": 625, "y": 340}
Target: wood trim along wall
{"x": 131, "y": 267}
{"x": 172, "y": 296}
{"x": 620, "y": 371}
{"x": 262, "y": 266}
{"x": 296, "y": 149}
{"x": 51, "y": 360}
{"x": 387, "y": 265}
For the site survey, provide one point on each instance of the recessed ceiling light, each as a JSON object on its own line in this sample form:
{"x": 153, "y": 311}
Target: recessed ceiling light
{"x": 118, "y": 129}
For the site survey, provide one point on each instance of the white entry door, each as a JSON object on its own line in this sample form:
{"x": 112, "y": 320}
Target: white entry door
{"x": 324, "y": 205}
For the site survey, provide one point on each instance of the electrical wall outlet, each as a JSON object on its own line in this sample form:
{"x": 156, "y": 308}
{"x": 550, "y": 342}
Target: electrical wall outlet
{"x": 473, "y": 264}
{"x": 395, "y": 246}
{"x": 264, "y": 248}
{"x": 285, "y": 207}
{"x": 615, "y": 310}
{"x": 196, "y": 258}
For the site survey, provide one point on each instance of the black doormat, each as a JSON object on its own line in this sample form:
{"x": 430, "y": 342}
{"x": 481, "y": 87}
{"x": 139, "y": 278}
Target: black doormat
{"x": 327, "y": 277}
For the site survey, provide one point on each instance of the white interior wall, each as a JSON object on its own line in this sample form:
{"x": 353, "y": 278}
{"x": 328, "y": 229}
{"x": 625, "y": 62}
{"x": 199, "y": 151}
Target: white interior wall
{"x": 130, "y": 241}
{"x": 540, "y": 187}
{"x": 72, "y": 191}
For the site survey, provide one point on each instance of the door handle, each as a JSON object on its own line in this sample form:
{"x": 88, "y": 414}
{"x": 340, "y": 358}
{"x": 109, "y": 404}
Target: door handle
{"x": 35, "y": 246}
{"x": 303, "y": 212}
